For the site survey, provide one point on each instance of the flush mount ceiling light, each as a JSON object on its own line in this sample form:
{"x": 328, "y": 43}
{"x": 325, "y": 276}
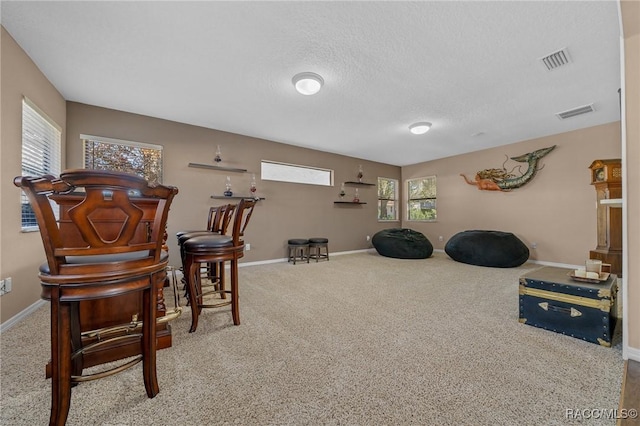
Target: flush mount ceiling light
{"x": 307, "y": 83}
{"x": 420, "y": 128}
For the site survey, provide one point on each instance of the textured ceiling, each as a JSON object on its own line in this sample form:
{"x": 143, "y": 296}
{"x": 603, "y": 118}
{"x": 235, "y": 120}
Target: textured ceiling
{"x": 471, "y": 68}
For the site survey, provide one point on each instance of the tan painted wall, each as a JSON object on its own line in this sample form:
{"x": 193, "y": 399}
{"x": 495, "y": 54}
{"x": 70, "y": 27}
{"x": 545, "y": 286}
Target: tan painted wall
{"x": 556, "y": 209}
{"x": 631, "y": 26}
{"x": 289, "y": 211}
{"x": 22, "y": 253}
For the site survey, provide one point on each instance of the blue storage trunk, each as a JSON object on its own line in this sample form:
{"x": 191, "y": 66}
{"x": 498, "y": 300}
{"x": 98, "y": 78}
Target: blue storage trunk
{"x": 551, "y": 299}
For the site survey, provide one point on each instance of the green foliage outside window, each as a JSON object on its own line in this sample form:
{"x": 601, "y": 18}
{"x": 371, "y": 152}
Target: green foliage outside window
{"x": 422, "y": 199}
{"x": 129, "y": 157}
{"x": 387, "y": 199}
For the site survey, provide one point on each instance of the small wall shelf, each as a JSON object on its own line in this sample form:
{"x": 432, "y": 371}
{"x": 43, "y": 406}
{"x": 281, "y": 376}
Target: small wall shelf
{"x": 359, "y": 183}
{"x": 348, "y": 202}
{"x": 237, "y": 197}
{"x": 612, "y": 202}
{"x": 212, "y": 167}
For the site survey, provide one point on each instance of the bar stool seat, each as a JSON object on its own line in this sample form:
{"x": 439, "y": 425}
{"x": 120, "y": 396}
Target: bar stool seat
{"x": 316, "y": 245}
{"x": 298, "y": 249}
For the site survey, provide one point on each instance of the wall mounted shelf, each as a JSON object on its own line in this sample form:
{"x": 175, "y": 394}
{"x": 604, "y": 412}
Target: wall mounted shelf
{"x": 348, "y": 202}
{"x": 612, "y": 202}
{"x": 349, "y": 182}
{"x": 212, "y": 167}
{"x": 237, "y": 197}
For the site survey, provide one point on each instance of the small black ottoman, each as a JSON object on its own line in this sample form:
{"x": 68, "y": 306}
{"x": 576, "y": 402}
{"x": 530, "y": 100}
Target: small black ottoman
{"x": 487, "y": 248}
{"x": 402, "y": 243}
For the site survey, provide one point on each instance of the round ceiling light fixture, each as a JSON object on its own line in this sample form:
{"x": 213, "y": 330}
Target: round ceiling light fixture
{"x": 420, "y": 128}
{"x": 307, "y": 83}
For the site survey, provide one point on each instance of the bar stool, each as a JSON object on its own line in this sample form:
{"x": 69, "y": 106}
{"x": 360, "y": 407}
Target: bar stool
{"x": 218, "y": 249}
{"x": 217, "y": 223}
{"x": 316, "y": 245}
{"x": 298, "y": 249}
{"x": 90, "y": 259}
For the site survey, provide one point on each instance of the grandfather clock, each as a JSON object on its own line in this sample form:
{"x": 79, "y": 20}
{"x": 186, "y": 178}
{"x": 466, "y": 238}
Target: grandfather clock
{"x": 606, "y": 177}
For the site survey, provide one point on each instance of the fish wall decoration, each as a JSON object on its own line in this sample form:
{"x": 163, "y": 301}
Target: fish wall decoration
{"x": 502, "y": 180}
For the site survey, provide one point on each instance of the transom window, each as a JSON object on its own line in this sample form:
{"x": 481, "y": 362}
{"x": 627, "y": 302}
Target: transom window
{"x": 283, "y": 172}
{"x": 387, "y": 199}
{"x": 421, "y": 204}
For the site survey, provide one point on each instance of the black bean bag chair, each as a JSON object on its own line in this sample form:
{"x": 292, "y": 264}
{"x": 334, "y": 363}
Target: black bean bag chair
{"x": 402, "y": 243}
{"x": 487, "y": 248}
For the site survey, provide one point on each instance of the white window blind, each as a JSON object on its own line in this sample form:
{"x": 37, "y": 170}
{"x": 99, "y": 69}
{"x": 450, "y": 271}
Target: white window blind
{"x": 41, "y": 152}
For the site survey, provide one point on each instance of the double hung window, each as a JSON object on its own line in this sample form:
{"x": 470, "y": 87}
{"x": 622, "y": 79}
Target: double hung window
{"x": 421, "y": 204}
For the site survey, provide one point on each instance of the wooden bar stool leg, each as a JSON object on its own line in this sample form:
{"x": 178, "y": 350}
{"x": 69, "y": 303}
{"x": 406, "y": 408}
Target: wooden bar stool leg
{"x": 60, "y": 363}
{"x": 193, "y": 269}
{"x": 76, "y": 340}
{"x": 222, "y": 275}
{"x": 149, "y": 342}
{"x": 235, "y": 306}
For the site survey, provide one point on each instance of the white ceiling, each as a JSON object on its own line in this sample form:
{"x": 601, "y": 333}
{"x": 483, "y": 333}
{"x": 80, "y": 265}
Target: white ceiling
{"x": 471, "y": 68}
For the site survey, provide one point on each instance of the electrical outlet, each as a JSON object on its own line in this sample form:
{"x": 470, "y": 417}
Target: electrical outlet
{"x": 247, "y": 247}
{"x": 534, "y": 245}
{"x": 368, "y": 238}
{"x": 5, "y": 286}
{"x": 440, "y": 238}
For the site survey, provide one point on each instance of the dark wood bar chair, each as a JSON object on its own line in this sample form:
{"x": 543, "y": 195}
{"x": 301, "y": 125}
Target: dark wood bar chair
{"x": 217, "y": 249}
{"x": 105, "y": 249}
{"x": 217, "y": 223}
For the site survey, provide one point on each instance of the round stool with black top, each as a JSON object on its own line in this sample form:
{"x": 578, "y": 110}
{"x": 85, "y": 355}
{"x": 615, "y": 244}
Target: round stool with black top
{"x": 298, "y": 250}
{"x": 316, "y": 246}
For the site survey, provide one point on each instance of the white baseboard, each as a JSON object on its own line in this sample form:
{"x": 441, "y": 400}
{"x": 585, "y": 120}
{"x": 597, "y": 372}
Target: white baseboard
{"x": 631, "y": 353}
{"x": 21, "y": 315}
{"x": 284, "y": 259}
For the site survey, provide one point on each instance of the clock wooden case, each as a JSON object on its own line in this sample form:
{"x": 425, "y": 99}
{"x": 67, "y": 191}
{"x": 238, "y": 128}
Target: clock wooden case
{"x": 606, "y": 177}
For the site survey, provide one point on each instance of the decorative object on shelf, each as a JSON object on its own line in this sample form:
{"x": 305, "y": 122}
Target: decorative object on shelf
{"x": 503, "y": 180}
{"x": 342, "y": 193}
{"x": 360, "y": 173}
{"x": 356, "y": 197}
{"x": 227, "y": 185}
{"x": 218, "y": 157}
{"x": 252, "y": 185}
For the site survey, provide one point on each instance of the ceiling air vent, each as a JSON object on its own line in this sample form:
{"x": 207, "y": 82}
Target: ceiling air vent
{"x": 556, "y": 59}
{"x": 576, "y": 111}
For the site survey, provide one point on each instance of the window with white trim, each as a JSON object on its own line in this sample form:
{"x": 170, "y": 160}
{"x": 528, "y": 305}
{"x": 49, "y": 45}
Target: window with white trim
{"x": 421, "y": 205}
{"x": 41, "y": 153}
{"x": 142, "y": 159}
{"x": 387, "y": 199}
{"x": 283, "y": 172}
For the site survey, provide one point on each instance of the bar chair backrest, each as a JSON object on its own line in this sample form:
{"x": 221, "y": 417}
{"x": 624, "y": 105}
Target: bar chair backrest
{"x": 80, "y": 245}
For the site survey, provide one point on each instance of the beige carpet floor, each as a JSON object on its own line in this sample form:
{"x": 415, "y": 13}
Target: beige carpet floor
{"x": 359, "y": 340}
